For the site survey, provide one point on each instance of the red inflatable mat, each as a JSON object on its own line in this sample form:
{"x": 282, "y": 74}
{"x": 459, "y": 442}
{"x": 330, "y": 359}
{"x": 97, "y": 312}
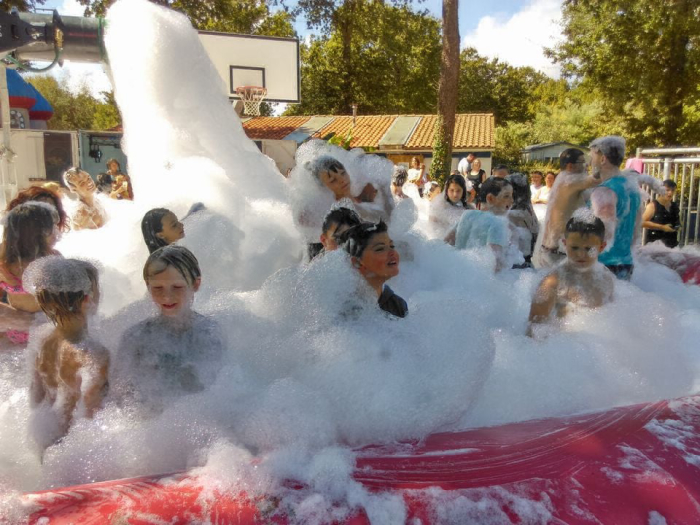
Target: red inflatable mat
{"x": 617, "y": 466}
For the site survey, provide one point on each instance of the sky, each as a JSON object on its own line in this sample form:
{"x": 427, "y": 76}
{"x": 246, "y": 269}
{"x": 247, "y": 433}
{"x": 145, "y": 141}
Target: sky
{"x": 514, "y": 31}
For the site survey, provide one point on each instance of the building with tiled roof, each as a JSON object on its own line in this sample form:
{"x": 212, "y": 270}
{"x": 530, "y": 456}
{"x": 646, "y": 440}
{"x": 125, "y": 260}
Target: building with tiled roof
{"x": 399, "y": 137}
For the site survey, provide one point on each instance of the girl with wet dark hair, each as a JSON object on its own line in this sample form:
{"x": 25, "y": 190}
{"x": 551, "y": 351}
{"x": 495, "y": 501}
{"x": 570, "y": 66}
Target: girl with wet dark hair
{"x": 160, "y": 227}
{"x": 373, "y": 255}
{"x": 446, "y": 211}
{"x": 31, "y": 231}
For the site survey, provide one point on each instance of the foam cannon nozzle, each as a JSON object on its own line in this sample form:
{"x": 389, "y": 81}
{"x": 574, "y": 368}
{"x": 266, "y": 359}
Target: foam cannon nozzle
{"x": 51, "y": 37}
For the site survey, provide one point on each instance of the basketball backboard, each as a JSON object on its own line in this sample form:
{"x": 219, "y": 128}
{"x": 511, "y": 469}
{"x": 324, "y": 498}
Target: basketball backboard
{"x": 251, "y": 60}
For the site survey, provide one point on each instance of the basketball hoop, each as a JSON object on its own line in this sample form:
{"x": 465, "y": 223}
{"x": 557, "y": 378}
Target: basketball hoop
{"x": 252, "y": 97}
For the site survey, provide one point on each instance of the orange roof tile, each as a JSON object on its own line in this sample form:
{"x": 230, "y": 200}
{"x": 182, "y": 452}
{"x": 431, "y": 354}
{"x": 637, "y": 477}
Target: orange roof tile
{"x": 472, "y": 130}
{"x": 273, "y": 128}
{"x": 367, "y": 132}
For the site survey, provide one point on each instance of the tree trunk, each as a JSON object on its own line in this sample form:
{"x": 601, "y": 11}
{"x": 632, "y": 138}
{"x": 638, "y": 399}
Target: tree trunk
{"x": 447, "y": 92}
{"x": 676, "y": 86}
{"x": 344, "y": 23}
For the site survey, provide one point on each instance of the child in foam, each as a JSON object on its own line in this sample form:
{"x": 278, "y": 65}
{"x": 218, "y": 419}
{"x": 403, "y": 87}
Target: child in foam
{"x": 89, "y": 214}
{"x": 580, "y": 279}
{"x": 336, "y": 223}
{"x": 70, "y": 372}
{"x": 523, "y": 217}
{"x": 446, "y": 211}
{"x": 489, "y": 227}
{"x": 179, "y": 350}
{"x": 42, "y": 194}
{"x": 373, "y": 254}
{"x": 31, "y": 231}
{"x": 160, "y": 227}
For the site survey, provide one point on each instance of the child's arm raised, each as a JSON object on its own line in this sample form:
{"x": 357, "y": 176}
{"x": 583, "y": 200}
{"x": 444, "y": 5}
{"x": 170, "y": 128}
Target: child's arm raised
{"x": 544, "y": 300}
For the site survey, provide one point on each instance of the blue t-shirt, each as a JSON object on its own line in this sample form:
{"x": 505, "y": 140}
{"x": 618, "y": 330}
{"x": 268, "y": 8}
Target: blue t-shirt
{"x": 480, "y": 228}
{"x": 628, "y": 202}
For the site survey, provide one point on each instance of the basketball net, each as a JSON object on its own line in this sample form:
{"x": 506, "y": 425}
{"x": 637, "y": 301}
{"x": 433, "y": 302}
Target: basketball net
{"x": 252, "y": 97}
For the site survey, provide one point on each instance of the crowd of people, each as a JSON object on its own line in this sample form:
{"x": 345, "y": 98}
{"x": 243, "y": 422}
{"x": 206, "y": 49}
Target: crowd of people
{"x": 592, "y": 220}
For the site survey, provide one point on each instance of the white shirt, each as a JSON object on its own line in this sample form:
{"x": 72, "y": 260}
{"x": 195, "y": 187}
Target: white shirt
{"x": 464, "y": 166}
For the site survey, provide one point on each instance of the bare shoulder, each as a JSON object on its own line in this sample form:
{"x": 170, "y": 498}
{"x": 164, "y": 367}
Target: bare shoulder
{"x": 548, "y": 285}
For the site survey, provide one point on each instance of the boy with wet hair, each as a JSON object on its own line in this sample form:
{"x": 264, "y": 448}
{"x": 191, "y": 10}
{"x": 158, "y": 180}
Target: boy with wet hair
{"x": 70, "y": 369}
{"x": 488, "y": 226}
{"x": 373, "y": 254}
{"x": 336, "y": 223}
{"x": 580, "y": 279}
{"x": 179, "y": 350}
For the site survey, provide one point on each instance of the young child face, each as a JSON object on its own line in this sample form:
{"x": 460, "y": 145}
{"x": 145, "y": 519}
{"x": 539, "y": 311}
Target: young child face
{"x": 501, "y": 203}
{"x": 82, "y": 184}
{"x": 173, "y": 230}
{"x": 582, "y": 250}
{"x": 455, "y": 192}
{"x": 380, "y": 258}
{"x": 171, "y": 292}
{"x": 537, "y": 179}
{"x": 337, "y": 181}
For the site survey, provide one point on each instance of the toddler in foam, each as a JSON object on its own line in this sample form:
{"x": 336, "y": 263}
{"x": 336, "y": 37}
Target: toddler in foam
{"x": 70, "y": 367}
{"x": 176, "y": 352}
{"x": 579, "y": 280}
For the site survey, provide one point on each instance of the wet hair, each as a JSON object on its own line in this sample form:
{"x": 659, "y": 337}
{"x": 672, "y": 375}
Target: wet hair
{"x": 589, "y": 225}
{"x": 151, "y": 225}
{"x": 104, "y": 182}
{"x": 176, "y": 256}
{"x": 37, "y": 194}
{"x": 399, "y": 177}
{"x": 69, "y": 174}
{"x": 341, "y": 217}
{"x": 60, "y": 306}
{"x": 492, "y": 186}
{"x": 569, "y": 156}
{"x": 110, "y": 161}
{"x": 356, "y": 239}
{"x": 323, "y": 163}
{"x": 459, "y": 180}
{"x": 26, "y": 228}
{"x": 670, "y": 184}
{"x": 521, "y": 191}
{"x": 612, "y": 146}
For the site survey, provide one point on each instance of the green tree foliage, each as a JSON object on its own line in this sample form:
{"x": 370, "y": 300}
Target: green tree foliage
{"x": 76, "y": 110}
{"x": 21, "y": 5}
{"x": 395, "y": 57}
{"x": 643, "y": 58}
{"x": 489, "y": 85}
{"x": 251, "y": 17}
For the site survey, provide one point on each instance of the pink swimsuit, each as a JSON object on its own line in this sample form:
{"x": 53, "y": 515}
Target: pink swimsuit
{"x": 16, "y": 336}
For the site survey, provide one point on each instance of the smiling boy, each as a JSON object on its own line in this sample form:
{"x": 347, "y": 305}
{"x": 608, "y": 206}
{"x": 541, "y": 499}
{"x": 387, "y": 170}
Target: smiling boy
{"x": 580, "y": 279}
{"x": 179, "y": 350}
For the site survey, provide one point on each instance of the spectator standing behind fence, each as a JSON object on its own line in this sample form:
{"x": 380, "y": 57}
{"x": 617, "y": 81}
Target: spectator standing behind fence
{"x": 537, "y": 180}
{"x": 541, "y": 196}
{"x": 662, "y": 217}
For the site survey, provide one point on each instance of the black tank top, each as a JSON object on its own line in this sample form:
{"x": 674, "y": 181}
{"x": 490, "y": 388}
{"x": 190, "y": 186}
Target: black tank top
{"x": 664, "y": 216}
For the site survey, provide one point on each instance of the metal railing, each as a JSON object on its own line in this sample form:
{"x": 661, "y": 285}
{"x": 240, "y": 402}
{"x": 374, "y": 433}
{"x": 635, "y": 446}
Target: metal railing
{"x": 681, "y": 165}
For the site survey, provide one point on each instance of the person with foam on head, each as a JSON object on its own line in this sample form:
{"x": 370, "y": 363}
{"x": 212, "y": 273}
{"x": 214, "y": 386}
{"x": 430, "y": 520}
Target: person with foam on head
{"x": 160, "y": 227}
{"x": 70, "y": 368}
{"x": 617, "y": 202}
{"x": 336, "y": 223}
{"x": 578, "y": 280}
{"x": 568, "y": 194}
{"x": 398, "y": 179}
{"x": 89, "y": 214}
{"x": 179, "y": 350}
{"x": 489, "y": 226}
{"x": 31, "y": 232}
{"x": 374, "y": 255}
{"x": 447, "y": 210}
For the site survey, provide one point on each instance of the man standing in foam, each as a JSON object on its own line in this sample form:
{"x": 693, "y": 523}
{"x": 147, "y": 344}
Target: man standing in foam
{"x": 617, "y": 203}
{"x": 565, "y": 197}
{"x": 176, "y": 352}
{"x": 70, "y": 372}
{"x": 488, "y": 227}
{"x": 580, "y": 279}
